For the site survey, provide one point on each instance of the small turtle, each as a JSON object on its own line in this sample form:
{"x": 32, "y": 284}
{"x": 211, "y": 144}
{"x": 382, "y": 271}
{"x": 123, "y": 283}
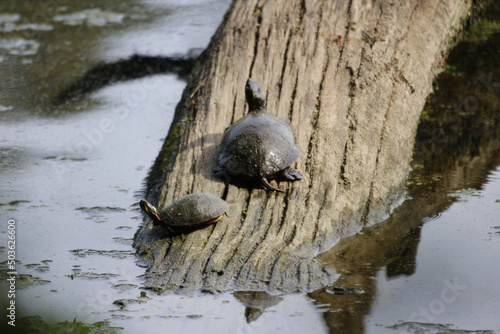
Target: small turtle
{"x": 187, "y": 213}
{"x": 258, "y": 145}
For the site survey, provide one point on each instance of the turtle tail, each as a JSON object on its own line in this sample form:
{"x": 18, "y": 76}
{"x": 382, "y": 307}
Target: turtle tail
{"x": 266, "y": 184}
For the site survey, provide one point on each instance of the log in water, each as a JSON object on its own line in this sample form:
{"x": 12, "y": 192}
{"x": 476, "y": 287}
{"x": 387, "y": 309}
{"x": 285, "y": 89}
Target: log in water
{"x": 352, "y": 77}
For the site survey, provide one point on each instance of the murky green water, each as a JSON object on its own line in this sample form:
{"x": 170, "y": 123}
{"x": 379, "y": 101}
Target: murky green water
{"x": 71, "y": 176}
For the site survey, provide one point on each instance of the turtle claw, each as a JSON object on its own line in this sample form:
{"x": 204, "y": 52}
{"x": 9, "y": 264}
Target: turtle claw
{"x": 291, "y": 174}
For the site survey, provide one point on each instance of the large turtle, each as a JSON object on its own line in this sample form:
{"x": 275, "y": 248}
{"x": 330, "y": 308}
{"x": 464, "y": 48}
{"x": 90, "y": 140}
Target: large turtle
{"x": 187, "y": 213}
{"x": 258, "y": 145}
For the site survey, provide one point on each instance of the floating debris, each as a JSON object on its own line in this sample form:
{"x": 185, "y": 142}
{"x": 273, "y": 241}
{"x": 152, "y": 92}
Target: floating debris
{"x": 429, "y": 328}
{"x": 92, "y": 17}
{"x": 466, "y": 192}
{"x": 124, "y": 228}
{"x": 20, "y": 46}
{"x": 35, "y": 324}
{"x": 124, "y": 286}
{"x": 121, "y": 316}
{"x": 11, "y": 27}
{"x": 91, "y": 275}
{"x": 342, "y": 290}
{"x": 497, "y": 228}
{"x": 128, "y": 241}
{"x": 9, "y": 17}
{"x": 43, "y": 268}
{"x": 120, "y": 254}
{"x": 55, "y": 157}
{"x": 24, "y": 281}
{"x": 122, "y": 303}
{"x": 5, "y": 108}
{"x": 14, "y": 203}
{"x": 194, "y": 316}
{"x": 95, "y": 209}
{"x": 73, "y": 159}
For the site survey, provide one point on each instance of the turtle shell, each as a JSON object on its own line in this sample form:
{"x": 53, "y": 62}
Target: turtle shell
{"x": 193, "y": 210}
{"x": 258, "y": 145}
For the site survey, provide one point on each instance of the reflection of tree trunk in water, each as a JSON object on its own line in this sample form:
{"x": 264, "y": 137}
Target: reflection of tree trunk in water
{"x": 393, "y": 244}
{"x": 352, "y": 76}
{"x": 128, "y": 69}
{"x": 462, "y": 159}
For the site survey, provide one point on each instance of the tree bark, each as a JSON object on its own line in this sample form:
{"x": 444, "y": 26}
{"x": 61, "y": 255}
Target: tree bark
{"x": 352, "y": 77}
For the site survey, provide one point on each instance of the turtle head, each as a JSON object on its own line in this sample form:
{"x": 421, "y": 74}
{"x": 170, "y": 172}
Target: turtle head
{"x": 151, "y": 211}
{"x": 255, "y": 96}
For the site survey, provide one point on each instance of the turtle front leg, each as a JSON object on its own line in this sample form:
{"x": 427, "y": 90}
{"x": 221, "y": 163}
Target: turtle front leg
{"x": 291, "y": 174}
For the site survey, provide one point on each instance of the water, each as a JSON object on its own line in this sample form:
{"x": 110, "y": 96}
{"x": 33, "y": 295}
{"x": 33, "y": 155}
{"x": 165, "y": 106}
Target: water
{"x": 71, "y": 176}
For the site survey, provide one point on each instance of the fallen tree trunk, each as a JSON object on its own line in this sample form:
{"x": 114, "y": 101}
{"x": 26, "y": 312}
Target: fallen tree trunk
{"x": 352, "y": 77}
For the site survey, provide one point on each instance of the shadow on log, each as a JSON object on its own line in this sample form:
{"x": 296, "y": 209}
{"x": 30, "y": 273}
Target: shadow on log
{"x": 352, "y": 77}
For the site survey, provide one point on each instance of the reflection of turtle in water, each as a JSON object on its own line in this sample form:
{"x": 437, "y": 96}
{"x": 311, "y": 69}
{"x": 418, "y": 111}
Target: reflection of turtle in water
{"x": 256, "y": 302}
{"x": 258, "y": 145}
{"x": 187, "y": 213}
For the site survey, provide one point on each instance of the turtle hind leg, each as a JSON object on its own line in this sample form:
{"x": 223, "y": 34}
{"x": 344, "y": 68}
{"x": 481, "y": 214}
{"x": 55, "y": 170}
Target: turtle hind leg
{"x": 291, "y": 174}
{"x": 221, "y": 173}
{"x": 266, "y": 184}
